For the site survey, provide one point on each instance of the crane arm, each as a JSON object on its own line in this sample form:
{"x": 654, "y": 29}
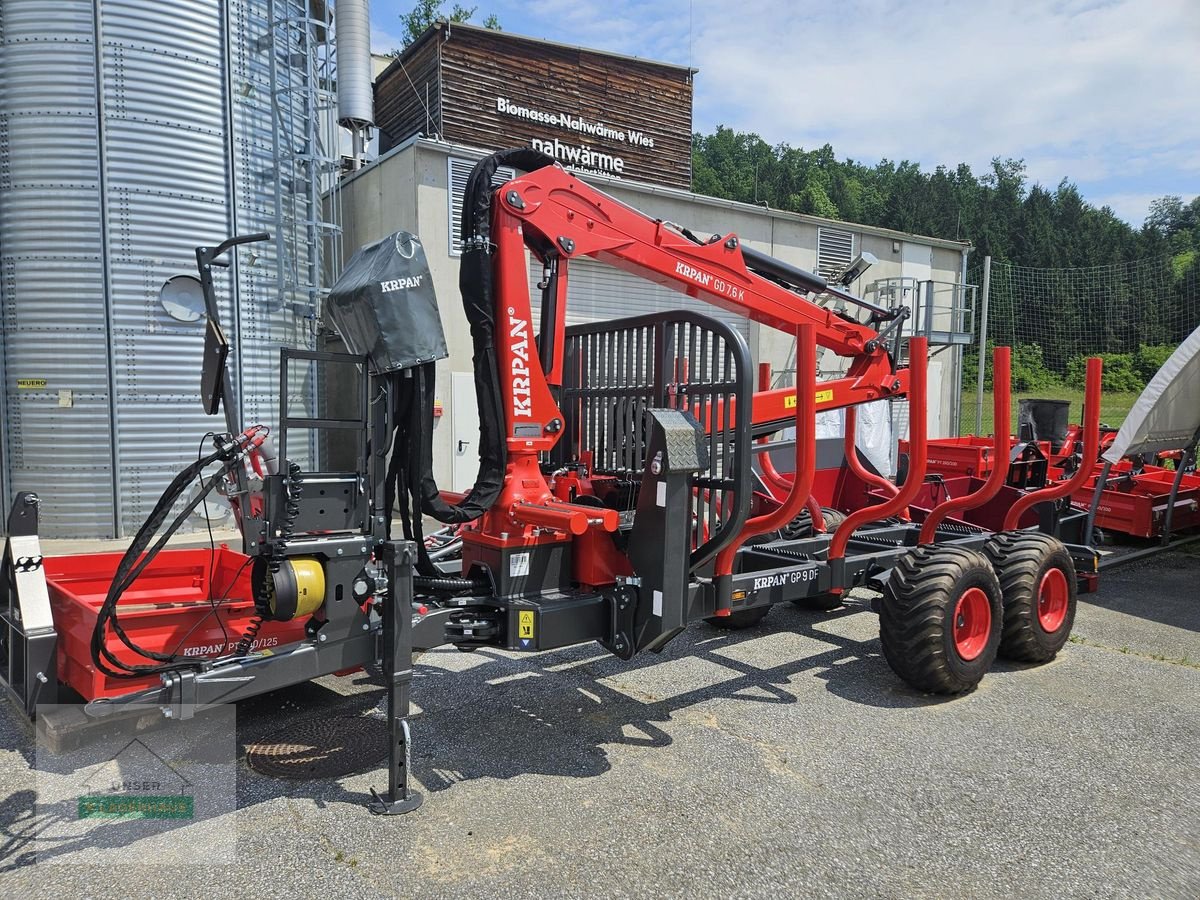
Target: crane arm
{"x": 563, "y": 218}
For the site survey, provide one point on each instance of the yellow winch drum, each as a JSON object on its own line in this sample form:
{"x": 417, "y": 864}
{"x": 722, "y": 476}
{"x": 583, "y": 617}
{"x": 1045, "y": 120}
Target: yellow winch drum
{"x": 297, "y": 589}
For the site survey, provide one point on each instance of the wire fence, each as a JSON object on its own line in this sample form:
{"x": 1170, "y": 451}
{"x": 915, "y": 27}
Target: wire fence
{"x": 1134, "y": 314}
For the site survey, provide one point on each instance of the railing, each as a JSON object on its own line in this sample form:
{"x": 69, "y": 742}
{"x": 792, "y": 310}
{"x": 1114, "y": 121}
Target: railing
{"x": 943, "y": 311}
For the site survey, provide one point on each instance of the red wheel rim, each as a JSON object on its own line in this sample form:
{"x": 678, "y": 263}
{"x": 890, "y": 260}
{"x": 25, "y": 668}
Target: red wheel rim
{"x": 972, "y": 623}
{"x": 1054, "y": 594}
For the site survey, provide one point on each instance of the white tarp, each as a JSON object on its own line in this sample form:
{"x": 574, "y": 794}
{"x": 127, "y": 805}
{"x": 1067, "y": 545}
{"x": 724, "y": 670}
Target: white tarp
{"x": 1167, "y": 414}
{"x": 874, "y": 433}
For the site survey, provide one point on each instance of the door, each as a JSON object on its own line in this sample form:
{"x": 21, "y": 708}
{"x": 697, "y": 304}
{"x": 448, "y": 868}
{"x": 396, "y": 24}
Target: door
{"x": 464, "y": 431}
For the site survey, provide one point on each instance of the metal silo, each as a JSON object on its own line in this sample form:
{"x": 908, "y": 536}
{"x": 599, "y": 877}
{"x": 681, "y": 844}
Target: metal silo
{"x": 130, "y": 132}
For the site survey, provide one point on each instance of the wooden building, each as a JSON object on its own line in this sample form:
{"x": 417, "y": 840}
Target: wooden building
{"x": 595, "y": 112}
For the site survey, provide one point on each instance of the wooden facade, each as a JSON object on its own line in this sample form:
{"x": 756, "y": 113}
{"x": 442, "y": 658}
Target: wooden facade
{"x": 593, "y": 111}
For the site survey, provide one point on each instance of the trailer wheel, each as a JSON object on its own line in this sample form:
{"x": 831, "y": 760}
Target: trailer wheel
{"x": 940, "y": 618}
{"x": 801, "y": 526}
{"x": 833, "y": 518}
{"x": 742, "y": 618}
{"x": 1037, "y": 579}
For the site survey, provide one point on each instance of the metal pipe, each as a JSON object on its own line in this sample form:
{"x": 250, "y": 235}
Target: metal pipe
{"x": 355, "y": 97}
{"x": 983, "y": 320}
{"x": 1094, "y": 506}
{"x": 806, "y": 452}
{"x": 1113, "y": 561}
{"x": 774, "y": 480}
{"x": 772, "y": 476}
{"x": 1001, "y": 415}
{"x": 918, "y": 438}
{"x": 1179, "y": 467}
{"x": 601, "y": 517}
{"x": 960, "y": 317}
{"x": 854, "y": 464}
{"x": 116, "y": 480}
{"x": 765, "y": 445}
{"x": 815, "y": 515}
{"x": 446, "y": 550}
{"x": 1091, "y": 446}
{"x": 571, "y": 522}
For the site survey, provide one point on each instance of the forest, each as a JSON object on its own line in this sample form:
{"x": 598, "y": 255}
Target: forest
{"x": 998, "y": 210}
{"x": 1133, "y": 293}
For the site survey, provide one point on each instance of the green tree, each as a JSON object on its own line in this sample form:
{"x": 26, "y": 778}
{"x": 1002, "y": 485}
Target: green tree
{"x": 426, "y": 12}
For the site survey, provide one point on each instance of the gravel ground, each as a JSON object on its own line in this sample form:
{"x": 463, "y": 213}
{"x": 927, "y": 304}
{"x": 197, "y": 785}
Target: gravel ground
{"x": 786, "y": 760}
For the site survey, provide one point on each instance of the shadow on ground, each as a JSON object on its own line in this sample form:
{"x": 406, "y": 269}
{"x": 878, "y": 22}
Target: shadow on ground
{"x": 496, "y": 715}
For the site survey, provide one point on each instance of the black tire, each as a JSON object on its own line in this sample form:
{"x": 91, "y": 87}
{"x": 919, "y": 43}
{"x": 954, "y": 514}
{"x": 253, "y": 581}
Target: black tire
{"x": 1037, "y": 580}
{"x": 924, "y": 626}
{"x": 819, "y": 603}
{"x": 742, "y": 618}
{"x": 801, "y": 526}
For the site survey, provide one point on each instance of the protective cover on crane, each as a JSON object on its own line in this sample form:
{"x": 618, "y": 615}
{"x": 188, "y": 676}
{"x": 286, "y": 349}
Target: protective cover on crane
{"x": 385, "y": 307}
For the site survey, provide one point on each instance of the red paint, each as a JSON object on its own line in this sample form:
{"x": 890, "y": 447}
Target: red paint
{"x": 806, "y": 453}
{"x": 1054, "y": 595}
{"x": 1001, "y": 368}
{"x": 972, "y": 623}
{"x": 1135, "y": 503}
{"x": 918, "y": 351}
{"x": 166, "y": 608}
{"x": 1091, "y": 443}
{"x": 854, "y": 464}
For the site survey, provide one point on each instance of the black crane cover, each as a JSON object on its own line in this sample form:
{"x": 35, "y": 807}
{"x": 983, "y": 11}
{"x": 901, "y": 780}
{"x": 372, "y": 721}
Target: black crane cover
{"x": 385, "y": 307}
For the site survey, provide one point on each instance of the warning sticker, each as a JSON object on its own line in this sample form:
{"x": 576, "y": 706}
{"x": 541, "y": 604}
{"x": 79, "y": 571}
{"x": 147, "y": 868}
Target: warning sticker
{"x": 825, "y": 396}
{"x": 525, "y": 625}
{"x": 30, "y": 384}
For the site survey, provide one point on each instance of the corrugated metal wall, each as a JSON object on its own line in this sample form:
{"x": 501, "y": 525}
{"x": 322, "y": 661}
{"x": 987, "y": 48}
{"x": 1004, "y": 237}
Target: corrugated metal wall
{"x": 52, "y": 259}
{"x": 162, "y": 88}
{"x": 120, "y": 125}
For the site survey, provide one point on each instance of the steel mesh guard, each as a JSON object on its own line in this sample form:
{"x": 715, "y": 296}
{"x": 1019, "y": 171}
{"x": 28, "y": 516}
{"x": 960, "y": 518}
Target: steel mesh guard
{"x": 613, "y": 372}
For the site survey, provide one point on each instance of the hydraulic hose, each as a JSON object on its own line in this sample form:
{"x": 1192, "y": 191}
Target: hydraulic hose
{"x": 450, "y": 584}
{"x": 476, "y": 284}
{"x": 410, "y": 473}
{"x": 137, "y": 558}
{"x": 133, "y": 563}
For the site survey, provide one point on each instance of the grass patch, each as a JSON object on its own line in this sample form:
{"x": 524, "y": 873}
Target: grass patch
{"x": 1185, "y": 661}
{"x": 1114, "y": 406}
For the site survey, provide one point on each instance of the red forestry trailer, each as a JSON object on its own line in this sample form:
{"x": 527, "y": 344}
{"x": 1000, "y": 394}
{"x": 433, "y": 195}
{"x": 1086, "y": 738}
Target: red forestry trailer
{"x": 624, "y": 488}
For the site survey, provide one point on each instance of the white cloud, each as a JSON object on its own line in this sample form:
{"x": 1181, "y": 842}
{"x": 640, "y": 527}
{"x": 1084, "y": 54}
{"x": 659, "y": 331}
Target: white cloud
{"x": 1098, "y": 93}
{"x": 1130, "y": 206}
{"x": 1103, "y": 92}
{"x": 1084, "y": 90}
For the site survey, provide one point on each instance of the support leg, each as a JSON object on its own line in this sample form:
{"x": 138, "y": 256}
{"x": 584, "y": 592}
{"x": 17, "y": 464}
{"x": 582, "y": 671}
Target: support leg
{"x": 397, "y": 673}
{"x": 1090, "y": 528}
{"x": 1174, "y": 495}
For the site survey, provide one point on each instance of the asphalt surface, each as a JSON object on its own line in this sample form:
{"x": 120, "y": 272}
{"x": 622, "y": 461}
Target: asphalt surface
{"x": 782, "y": 761}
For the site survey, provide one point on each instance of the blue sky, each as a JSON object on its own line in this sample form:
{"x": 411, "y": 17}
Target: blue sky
{"x": 1103, "y": 92}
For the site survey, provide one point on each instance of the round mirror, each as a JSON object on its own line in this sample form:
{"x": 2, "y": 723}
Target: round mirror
{"x": 182, "y": 298}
